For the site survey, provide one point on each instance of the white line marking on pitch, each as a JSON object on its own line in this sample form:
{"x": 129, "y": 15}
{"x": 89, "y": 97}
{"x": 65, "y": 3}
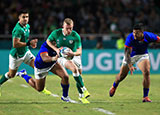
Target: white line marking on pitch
{"x": 104, "y": 111}
{"x": 23, "y": 85}
{"x": 54, "y": 95}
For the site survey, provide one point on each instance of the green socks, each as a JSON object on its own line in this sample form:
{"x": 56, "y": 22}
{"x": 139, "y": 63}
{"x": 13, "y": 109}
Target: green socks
{"x": 3, "y": 79}
{"x": 79, "y": 83}
{"x": 79, "y": 88}
{"x": 79, "y": 80}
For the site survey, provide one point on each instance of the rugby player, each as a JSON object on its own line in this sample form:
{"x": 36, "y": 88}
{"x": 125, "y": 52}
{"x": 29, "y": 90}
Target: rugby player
{"x": 20, "y": 52}
{"x": 136, "y": 45}
{"x": 67, "y": 37}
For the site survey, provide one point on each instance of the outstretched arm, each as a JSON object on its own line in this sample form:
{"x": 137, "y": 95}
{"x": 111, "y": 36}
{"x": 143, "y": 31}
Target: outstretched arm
{"x": 128, "y": 59}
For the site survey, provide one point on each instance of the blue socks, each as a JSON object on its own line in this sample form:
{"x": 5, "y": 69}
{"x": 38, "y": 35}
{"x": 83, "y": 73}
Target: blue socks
{"x": 65, "y": 90}
{"x": 115, "y": 85}
{"x": 26, "y": 77}
{"x": 145, "y": 92}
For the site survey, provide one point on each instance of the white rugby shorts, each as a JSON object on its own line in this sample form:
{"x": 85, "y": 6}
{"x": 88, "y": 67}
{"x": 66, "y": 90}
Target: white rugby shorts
{"x": 15, "y": 63}
{"x": 42, "y": 73}
{"x": 136, "y": 59}
{"x": 76, "y": 60}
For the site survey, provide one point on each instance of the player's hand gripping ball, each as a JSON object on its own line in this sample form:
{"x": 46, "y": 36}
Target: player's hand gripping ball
{"x": 64, "y": 53}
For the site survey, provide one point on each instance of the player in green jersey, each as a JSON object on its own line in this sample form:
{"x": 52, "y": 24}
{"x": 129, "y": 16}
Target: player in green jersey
{"x": 67, "y": 37}
{"x": 20, "y": 51}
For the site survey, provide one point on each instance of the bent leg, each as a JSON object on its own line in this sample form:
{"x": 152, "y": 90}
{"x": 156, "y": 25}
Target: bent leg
{"x": 121, "y": 76}
{"x": 71, "y": 66}
{"x": 61, "y": 72}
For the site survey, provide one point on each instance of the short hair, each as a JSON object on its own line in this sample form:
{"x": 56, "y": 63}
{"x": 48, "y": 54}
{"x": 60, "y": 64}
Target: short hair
{"x": 68, "y": 21}
{"x": 23, "y": 11}
{"x": 138, "y": 26}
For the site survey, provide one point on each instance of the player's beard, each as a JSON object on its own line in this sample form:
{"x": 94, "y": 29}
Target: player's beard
{"x": 24, "y": 23}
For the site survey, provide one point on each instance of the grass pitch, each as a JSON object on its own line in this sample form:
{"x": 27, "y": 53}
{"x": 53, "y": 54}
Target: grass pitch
{"x": 18, "y": 99}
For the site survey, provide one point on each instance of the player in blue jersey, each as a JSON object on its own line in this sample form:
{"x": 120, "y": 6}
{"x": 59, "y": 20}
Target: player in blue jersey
{"x": 46, "y": 61}
{"x": 136, "y": 52}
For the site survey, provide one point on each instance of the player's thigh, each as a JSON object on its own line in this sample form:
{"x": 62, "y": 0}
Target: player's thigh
{"x": 77, "y": 61}
{"x": 14, "y": 63}
{"x": 32, "y": 63}
{"x": 59, "y": 70}
{"x": 29, "y": 59}
{"x": 62, "y": 61}
{"x": 40, "y": 79}
{"x": 71, "y": 66}
{"x": 144, "y": 65}
{"x": 67, "y": 63}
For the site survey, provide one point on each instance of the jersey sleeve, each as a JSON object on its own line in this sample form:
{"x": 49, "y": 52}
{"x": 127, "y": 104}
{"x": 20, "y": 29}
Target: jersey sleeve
{"x": 78, "y": 41}
{"x": 17, "y": 34}
{"x": 153, "y": 37}
{"x": 128, "y": 42}
{"x": 52, "y": 36}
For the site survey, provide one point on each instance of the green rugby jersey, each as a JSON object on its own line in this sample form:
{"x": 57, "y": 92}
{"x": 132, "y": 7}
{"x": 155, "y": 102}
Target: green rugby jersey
{"x": 73, "y": 41}
{"x": 21, "y": 33}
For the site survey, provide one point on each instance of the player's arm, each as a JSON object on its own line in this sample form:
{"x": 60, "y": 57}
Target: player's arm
{"x": 78, "y": 45}
{"x": 49, "y": 43}
{"x": 78, "y": 52}
{"x": 128, "y": 59}
{"x": 17, "y": 43}
{"x": 46, "y": 58}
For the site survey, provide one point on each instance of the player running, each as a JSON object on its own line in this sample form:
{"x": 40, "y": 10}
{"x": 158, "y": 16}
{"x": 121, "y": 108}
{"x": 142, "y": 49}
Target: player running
{"x": 136, "y": 52}
{"x": 46, "y": 61}
{"x": 67, "y": 37}
{"x": 20, "y": 51}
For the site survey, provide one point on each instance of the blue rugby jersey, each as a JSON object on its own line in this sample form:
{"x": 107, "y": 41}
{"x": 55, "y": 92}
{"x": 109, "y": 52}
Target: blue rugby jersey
{"x": 39, "y": 63}
{"x": 140, "y": 46}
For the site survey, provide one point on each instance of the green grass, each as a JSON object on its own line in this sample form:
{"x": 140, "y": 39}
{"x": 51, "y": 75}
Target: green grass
{"x": 18, "y": 100}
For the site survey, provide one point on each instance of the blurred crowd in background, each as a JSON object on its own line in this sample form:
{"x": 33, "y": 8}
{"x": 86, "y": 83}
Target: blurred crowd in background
{"x": 113, "y": 17}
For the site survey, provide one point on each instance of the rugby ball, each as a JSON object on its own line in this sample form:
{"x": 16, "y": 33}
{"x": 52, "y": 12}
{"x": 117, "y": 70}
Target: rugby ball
{"x": 64, "y": 51}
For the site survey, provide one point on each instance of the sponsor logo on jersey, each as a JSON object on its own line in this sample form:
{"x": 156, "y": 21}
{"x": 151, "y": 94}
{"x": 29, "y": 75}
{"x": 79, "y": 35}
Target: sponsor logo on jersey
{"x": 70, "y": 41}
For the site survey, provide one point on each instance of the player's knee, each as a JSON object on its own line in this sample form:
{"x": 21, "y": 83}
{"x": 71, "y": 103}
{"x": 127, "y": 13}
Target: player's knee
{"x": 74, "y": 69}
{"x": 66, "y": 78}
{"x": 10, "y": 75}
{"x": 146, "y": 73}
{"x": 39, "y": 89}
